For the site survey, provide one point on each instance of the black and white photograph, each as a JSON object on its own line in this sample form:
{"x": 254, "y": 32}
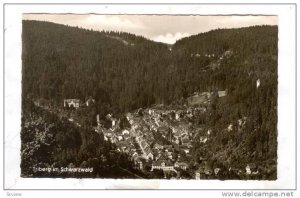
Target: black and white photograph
{"x": 150, "y": 97}
{"x": 139, "y": 96}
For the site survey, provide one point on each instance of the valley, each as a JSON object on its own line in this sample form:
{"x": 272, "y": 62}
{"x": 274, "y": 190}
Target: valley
{"x": 130, "y": 107}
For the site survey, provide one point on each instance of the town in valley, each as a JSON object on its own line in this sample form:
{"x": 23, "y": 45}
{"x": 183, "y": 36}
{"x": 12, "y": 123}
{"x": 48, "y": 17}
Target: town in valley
{"x": 123, "y": 106}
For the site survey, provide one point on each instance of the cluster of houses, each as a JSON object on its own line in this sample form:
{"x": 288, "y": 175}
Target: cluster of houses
{"x": 160, "y": 137}
{"x": 216, "y": 60}
{"x": 142, "y": 145}
{"x": 197, "y": 55}
{"x": 204, "y": 171}
{"x": 171, "y": 124}
{"x": 226, "y": 54}
{"x": 76, "y": 103}
{"x": 174, "y": 126}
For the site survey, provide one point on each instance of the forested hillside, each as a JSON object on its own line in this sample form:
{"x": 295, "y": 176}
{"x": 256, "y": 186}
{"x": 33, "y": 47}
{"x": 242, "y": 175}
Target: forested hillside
{"x": 248, "y": 71}
{"x": 66, "y": 62}
{"x": 124, "y": 72}
{"x": 50, "y": 143}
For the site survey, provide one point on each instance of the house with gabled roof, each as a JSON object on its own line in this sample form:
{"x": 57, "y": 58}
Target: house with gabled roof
{"x": 90, "y": 101}
{"x": 75, "y": 103}
{"x": 251, "y": 169}
{"x": 163, "y": 164}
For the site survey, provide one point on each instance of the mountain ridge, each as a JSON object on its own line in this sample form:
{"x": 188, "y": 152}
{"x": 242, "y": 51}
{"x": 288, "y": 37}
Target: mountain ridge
{"x": 141, "y": 36}
{"x": 59, "y": 62}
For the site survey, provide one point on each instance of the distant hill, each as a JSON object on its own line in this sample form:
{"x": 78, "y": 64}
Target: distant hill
{"x": 67, "y": 62}
{"x": 247, "y": 40}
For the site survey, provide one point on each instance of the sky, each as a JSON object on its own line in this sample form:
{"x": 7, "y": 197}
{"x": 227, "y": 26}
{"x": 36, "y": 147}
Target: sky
{"x": 160, "y": 28}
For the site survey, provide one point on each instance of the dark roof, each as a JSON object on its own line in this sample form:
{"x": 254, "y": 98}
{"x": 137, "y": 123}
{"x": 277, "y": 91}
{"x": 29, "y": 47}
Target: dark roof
{"x": 159, "y": 163}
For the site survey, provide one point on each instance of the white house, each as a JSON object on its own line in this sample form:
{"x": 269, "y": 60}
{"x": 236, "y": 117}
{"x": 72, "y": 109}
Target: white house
{"x": 197, "y": 175}
{"x": 113, "y": 122}
{"x": 208, "y": 131}
{"x": 72, "y": 103}
{"x": 251, "y": 169}
{"x": 257, "y": 83}
{"x": 120, "y": 137}
{"x": 177, "y": 116}
{"x": 221, "y": 93}
{"x": 216, "y": 171}
{"x": 181, "y": 165}
{"x": 162, "y": 165}
{"x": 125, "y": 132}
{"x": 203, "y": 139}
{"x": 230, "y": 127}
{"x": 90, "y": 101}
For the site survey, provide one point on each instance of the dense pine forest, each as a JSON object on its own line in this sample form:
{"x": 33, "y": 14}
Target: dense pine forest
{"x": 124, "y": 72}
{"x": 49, "y": 142}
